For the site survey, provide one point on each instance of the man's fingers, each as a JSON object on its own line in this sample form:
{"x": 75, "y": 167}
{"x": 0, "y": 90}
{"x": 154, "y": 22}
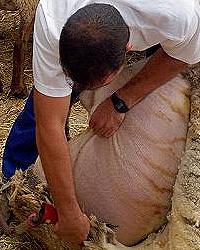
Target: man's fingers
{"x": 102, "y": 132}
{"x": 56, "y": 227}
{"x": 98, "y": 127}
{"x": 98, "y": 131}
{"x": 56, "y": 231}
{"x": 110, "y": 132}
{"x": 92, "y": 123}
{"x": 106, "y": 132}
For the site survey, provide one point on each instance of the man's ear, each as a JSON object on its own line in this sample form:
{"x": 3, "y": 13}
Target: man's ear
{"x": 129, "y": 47}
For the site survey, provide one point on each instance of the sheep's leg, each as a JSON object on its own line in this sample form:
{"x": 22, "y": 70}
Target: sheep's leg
{"x": 18, "y": 88}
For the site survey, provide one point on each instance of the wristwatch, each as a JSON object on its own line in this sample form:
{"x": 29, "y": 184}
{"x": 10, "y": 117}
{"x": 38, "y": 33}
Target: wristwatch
{"x": 119, "y": 105}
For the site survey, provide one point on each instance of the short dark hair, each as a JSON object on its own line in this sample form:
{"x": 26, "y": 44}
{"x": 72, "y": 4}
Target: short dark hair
{"x": 93, "y": 44}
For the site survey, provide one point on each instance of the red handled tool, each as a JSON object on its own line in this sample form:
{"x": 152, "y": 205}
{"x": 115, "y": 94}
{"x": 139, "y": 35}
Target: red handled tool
{"x": 47, "y": 214}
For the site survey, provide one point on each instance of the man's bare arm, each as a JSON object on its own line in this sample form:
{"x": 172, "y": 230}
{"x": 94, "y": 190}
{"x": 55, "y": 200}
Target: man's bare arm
{"x": 51, "y": 114}
{"x": 158, "y": 70}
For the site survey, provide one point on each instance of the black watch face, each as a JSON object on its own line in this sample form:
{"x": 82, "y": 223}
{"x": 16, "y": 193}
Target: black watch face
{"x": 120, "y": 105}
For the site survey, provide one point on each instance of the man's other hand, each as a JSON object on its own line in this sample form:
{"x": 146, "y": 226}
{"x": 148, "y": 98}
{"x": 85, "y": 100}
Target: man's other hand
{"x": 72, "y": 228}
{"x": 105, "y": 121}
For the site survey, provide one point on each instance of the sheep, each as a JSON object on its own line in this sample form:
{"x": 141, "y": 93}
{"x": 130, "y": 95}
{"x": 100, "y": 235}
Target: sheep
{"x": 26, "y": 9}
{"x": 182, "y": 230}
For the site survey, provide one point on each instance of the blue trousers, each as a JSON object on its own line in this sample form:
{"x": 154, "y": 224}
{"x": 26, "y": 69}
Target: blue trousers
{"x": 21, "y": 149}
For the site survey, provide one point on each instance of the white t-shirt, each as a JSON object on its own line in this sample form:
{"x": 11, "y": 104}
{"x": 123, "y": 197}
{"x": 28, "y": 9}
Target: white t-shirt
{"x": 175, "y": 24}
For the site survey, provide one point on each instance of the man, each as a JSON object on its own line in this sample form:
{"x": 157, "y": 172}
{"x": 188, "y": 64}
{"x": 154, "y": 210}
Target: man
{"x": 88, "y": 52}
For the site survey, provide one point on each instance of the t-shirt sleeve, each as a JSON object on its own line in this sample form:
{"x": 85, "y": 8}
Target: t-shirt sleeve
{"x": 49, "y": 78}
{"x": 187, "y": 49}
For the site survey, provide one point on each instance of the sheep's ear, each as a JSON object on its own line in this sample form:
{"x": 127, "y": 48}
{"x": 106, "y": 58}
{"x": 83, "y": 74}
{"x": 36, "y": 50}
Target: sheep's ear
{"x": 7, "y": 5}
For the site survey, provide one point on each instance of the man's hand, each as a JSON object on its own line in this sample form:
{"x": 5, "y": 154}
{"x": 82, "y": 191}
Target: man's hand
{"x": 73, "y": 229}
{"x": 51, "y": 114}
{"x": 106, "y": 120}
{"x": 159, "y": 69}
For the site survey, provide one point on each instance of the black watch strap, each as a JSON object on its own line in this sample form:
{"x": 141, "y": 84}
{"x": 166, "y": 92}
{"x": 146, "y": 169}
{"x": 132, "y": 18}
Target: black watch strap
{"x": 119, "y": 104}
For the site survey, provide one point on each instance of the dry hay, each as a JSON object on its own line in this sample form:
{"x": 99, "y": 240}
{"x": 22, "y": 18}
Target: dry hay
{"x": 9, "y": 23}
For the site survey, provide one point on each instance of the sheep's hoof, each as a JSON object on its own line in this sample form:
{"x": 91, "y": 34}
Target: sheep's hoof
{"x": 19, "y": 93}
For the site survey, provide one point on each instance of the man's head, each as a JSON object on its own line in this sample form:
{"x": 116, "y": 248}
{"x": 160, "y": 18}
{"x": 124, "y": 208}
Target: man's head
{"x": 93, "y": 45}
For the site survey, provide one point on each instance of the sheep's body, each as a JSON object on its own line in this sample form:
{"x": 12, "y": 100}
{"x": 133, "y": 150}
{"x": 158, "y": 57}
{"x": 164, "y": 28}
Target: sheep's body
{"x": 26, "y": 9}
